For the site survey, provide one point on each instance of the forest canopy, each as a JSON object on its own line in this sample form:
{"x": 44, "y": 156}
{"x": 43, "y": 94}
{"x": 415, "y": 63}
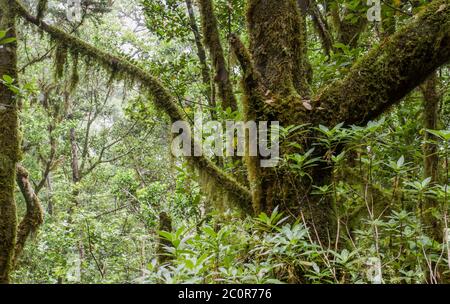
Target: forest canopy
{"x": 224, "y": 141}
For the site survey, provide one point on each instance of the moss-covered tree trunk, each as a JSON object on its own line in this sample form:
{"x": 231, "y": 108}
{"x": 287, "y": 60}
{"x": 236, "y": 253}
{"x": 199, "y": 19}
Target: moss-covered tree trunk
{"x": 279, "y": 91}
{"x": 201, "y": 53}
{"x": 9, "y": 144}
{"x": 432, "y": 99}
{"x": 212, "y": 41}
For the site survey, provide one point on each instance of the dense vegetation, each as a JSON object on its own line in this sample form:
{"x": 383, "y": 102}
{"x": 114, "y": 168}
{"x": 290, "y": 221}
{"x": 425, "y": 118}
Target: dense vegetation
{"x": 91, "y": 193}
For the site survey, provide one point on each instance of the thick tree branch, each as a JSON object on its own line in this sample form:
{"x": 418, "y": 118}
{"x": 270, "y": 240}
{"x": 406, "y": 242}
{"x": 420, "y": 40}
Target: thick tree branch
{"x": 34, "y": 215}
{"x": 389, "y": 72}
{"x": 212, "y": 40}
{"x": 253, "y": 85}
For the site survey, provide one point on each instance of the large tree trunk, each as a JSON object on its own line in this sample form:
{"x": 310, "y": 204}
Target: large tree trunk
{"x": 380, "y": 79}
{"x": 279, "y": 91}
{"x": 9, "y": 144}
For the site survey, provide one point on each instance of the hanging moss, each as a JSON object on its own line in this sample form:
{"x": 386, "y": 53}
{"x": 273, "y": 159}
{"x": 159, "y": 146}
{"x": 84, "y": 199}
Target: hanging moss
{"x": 61, "y": 54}
{"x": 75, "y": 77}
{"x": 222, "y": 188}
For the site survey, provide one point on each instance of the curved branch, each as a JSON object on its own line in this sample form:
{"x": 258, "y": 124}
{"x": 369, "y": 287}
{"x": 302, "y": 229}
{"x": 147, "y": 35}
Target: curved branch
{"x": 34, "y": 215}
{"x": 253, "y": 84}
{"x": 201, "y": 53}
{"x": 322, "y": 27}
{"x": 389, "y": 72}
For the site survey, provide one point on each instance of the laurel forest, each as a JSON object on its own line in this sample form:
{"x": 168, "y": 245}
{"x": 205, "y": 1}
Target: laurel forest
{"x": 349, "y": 183}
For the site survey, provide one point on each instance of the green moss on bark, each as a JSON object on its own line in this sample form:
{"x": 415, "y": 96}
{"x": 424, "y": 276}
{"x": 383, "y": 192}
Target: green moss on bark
{"x": 277, "y": 45}
{"x": 9, "y": 145}
{"x": 211, "y": 37}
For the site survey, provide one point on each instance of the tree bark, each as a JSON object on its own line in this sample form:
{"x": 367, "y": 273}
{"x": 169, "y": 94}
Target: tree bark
{"x": 432, "y": 99}
{"x": 165, "y": 224}
{"x": 9, "y": 143}
{"x": 278, "y": 47}
{"x": 34, "y": 215}
{"x": 201, "y": 53}
{"x": 211, "y": 36}
{"x": 276, "y": 73}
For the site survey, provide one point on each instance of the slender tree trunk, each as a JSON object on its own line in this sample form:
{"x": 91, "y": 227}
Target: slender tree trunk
{"x": 321, "y": 26}
{"x": 76, "y": 178}
{"x": 74, "y": 153}
{"x": 211, "y": 36}
{"x": 9, "y": 144}
{"x": 50, "y": 204}
{"x": 431, "y": 101}
{"x": 201, "y": 53}
{"x": 165, "y": 224}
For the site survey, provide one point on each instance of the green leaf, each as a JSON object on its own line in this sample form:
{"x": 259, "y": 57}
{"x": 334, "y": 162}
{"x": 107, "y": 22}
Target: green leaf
{"x": 8, "y": 79}
{"x": 8, "y": 40}
{"x": 167, "y": 235}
